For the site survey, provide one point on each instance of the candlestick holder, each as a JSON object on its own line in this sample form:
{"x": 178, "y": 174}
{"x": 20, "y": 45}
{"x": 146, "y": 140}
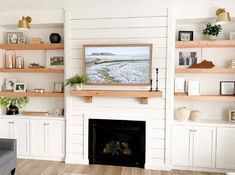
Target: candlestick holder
{"x": 156, "y": 79}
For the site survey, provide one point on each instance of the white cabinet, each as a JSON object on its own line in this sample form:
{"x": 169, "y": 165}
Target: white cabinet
{"x": 47, "y": 138}
{"x": 225, "y": 154}
{"x": 16, "y": 129}
{"x": 193, "y": 146}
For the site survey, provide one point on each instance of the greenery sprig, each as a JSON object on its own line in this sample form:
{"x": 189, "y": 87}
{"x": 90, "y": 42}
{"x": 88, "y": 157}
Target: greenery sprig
{"x": 76, "y": 79}
{"x": 212, "y": 29}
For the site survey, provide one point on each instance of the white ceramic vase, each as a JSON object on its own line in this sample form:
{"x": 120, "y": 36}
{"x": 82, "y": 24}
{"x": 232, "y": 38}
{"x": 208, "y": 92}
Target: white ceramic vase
{"x": 212, "y": 37}
{"x": 182, "y": 113}
{"x": 78, "y": 87}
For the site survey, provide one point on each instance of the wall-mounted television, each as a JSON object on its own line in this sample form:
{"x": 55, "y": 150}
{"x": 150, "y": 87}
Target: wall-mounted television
{"x": 118, "y": 64}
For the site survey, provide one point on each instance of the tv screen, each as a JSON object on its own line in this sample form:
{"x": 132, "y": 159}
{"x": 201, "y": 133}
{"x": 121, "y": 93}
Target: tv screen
{"x": 120, "y": 64}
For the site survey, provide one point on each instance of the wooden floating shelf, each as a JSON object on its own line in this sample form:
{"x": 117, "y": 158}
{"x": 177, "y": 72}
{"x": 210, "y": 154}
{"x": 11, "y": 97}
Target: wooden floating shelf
{"x": 205, "y": 44}
{"x": 212, "y": 70}
{"x": 44, "y": 46}
{"x": 30, "y": 94}
{"x": 205, "y": 98}
{"x": 33, "y": 70}
{"x": 142, "y": 95}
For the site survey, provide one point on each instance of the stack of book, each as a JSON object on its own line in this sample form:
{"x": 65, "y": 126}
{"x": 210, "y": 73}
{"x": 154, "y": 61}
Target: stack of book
{"x": 233, "y": 64}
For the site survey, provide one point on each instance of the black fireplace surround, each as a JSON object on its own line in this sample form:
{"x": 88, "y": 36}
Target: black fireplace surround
{"x": 117, "y": 142}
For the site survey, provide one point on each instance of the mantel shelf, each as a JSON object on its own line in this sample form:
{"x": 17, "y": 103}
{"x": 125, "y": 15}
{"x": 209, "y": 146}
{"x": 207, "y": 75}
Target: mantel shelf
{"x": 205, "y": 98}
{"x": 30, "y": 94}
{"x": 205, "y": 44}
{"x": 33, "y": 70}
{"x": 212, "y": 70}
{"x": 142, "y": 95}
{"x": 45, "y": 46}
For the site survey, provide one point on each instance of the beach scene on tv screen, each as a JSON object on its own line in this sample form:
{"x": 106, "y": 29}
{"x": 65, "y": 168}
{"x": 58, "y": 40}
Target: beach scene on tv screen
{"x": 124, "y": 65}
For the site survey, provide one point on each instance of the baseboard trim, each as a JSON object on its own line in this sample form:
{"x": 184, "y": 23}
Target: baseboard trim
{"x": 73, "y": 160}
{"x": 212, "y": 170}
{"x": 41, "y": 158}
{"x": 155, "y": 166}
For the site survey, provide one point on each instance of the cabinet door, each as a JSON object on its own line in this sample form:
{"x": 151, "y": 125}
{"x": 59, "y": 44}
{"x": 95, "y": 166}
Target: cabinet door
{"x": 181, "y": 145}
{"x": 55, "y": 138}
{"x": 204, "y": 147}
{"x": 4, "y": 128}
{"x": 37, "y": 137}
{"x": 20, "y": 132}
{"x": 225, "y": 154}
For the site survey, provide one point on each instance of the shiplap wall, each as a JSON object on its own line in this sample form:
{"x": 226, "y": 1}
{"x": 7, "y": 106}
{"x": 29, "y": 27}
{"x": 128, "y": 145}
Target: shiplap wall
{"x": 103, "y": 25}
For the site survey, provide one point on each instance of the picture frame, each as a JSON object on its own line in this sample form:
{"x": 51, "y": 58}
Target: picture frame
{"x": 13, "y": 37}
{"x": 227, "y": 88}
{"x": 187, "y": 57}
{"x": 180, "y": 84}
{"x": 232, "y": 36}
{"x": 231, "y": 115}
{"x": 55, "y": 59}
{"x": 185, "y": 36}
{"x": 58, "y": 87}
{"x": 21, "y": 40}
{"x": 19, "y": 87}
{"x": 9, "y": 84}
{"x": 193, "y": 88}
{"x": 118, "y": 64}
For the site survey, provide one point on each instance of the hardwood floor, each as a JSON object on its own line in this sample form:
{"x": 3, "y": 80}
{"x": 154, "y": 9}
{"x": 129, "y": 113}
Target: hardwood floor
{"x": 42, "y": 167}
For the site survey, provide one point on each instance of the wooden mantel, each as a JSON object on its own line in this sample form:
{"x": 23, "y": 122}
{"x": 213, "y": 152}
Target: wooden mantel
{"x": 142, "y": 95}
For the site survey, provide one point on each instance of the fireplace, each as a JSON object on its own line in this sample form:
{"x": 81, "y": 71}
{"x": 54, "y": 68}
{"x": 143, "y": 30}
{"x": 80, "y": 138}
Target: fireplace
{"x": 117, "y": 142}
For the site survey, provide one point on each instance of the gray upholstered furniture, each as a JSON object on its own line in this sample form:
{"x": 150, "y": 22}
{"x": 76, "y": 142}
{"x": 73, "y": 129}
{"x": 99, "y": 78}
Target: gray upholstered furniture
{"x": 7, "y": 156}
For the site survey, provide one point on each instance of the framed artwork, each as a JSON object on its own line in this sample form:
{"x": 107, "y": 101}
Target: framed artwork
{"x": 58, "y": 87}
{"x": 55, "y": 59}
{"x": 21, "y": 40}
{"x": 193, "y": 87}
{"x": 187, "y": 57}
{"x": 180, "y": 83}
{"x": 227, "y": 88}
{"x": 231, "y": 115}
{"x": 185, "y": 36}
{"x": 9, "y": 84}
{"x": 13, "y": 37}
{"x": 19, "y": 87}
{"x": 118, "y": 64}
{"x": 232, "y": 36}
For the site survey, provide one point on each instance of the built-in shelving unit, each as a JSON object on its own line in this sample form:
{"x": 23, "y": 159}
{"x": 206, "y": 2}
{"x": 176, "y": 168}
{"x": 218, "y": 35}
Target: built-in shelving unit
{"x": 142, "y": 95}
{"x": 44, "y": 46}
{"x": 205, "y": 98}
{"x": 212, "y": 70}
{"x": 30, "y": 94}
{"x": 205, "y": 44}
{"x": 33, "y": 70}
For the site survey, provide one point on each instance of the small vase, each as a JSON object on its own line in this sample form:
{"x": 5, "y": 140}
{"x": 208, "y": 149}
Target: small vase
{"x": 55, "y": 38}
{"x": 212, "y": 37}
{"x": 12, "y": 110}
{"x": 78, "y": 87}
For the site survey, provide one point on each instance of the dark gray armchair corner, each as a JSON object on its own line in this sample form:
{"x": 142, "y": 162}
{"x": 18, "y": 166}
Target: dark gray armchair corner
{"x": 7, "y": 156}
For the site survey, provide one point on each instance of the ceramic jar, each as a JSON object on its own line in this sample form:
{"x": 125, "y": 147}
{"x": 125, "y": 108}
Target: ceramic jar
{"x": 195, "y": 115}
{"x": 55, "y": 38}
{"x": 78, "y": 87}
{"x": 182, "y": 113}
{"x": 212, "y": 37}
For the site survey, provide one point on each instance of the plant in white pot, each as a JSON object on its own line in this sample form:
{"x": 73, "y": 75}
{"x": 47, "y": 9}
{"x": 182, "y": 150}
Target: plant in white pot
{"x": 13, "y": 104}
{"x": 212, "y": 31}
{"x": 76, "y": 81}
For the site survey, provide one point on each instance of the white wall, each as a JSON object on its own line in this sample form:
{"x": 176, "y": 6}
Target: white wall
{"x": 110, "y": 24}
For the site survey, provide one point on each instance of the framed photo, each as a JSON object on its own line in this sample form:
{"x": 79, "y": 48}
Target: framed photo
{"x": 180, "y": 83}
{"x": 118, "y": 64}
{"x": 9, "y": 84}
{"x": 58, "y": 87}
{"x": 19, "y": 87}
{"x": 185, "y": 36}
{"x": 187, "y": 57}
{"x": 55, "y": 59}
{"x": 231, "y": 115}
{"x": 21, "y": 40}
{"x": 13, "y": 37}
{"x": 193, "y": 87}
{"x": 227, "y": 88}
{"x": 232, "y": 36}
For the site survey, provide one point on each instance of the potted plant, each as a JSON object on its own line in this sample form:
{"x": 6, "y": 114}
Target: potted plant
{"x": 76, "y": 81}
{"x": 13, "y": 104}
{"x": 212, "y": 31}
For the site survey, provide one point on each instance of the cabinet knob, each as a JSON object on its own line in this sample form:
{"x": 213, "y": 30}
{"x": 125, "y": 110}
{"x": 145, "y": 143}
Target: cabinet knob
{"x": 45, "y": 124}
{"x": 193, "y": 130}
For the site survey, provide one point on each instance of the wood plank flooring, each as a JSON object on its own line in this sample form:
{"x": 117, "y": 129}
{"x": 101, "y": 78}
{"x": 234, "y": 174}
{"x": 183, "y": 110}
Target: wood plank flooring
{"x": 43, "y": 167}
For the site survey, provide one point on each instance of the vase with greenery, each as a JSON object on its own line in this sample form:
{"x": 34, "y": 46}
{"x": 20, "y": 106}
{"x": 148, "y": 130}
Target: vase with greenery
{"x": 212, "y": 31}
{"x": 76, "y": 81}
{"x": 13, "y": 104}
